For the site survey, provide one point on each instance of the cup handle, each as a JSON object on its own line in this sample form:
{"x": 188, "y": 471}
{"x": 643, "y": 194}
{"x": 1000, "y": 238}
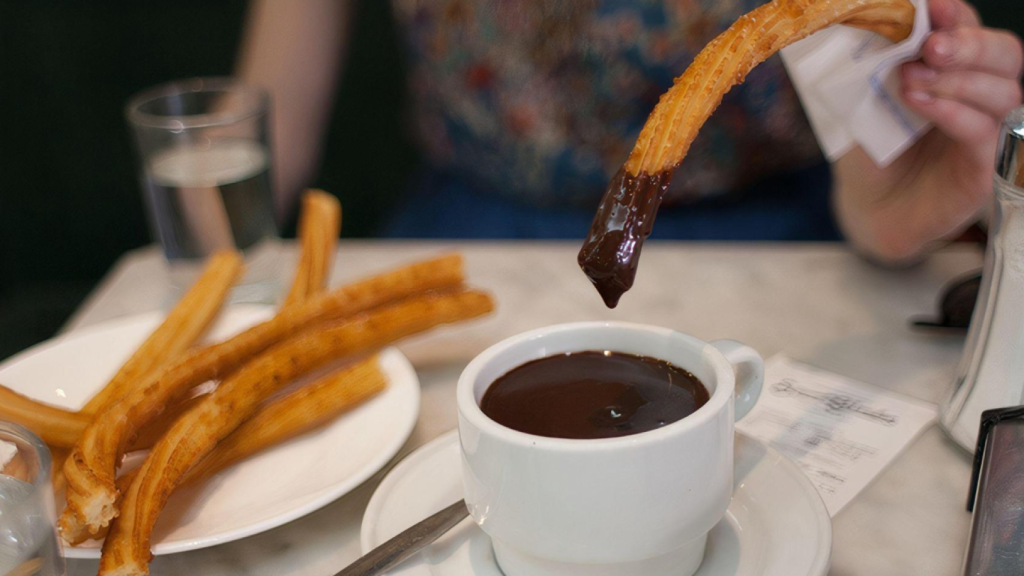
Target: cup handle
{"x": 749, "y": 368}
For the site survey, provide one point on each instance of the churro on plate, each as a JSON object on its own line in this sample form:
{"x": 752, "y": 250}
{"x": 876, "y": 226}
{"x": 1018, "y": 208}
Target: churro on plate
{"x": 184, "y": 325}
{"x": 55, "y": 426}
{"x": 302, "y": 410}
{"x": 126, "y": 549}
{"x": 319, "y": 225}
{"x": 191, "y": 411}
{"x": 92, "y": 468}
{"x": 296, "y": 413}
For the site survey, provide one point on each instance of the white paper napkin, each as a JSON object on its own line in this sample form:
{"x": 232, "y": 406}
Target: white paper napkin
{"x": 848, "y": 82}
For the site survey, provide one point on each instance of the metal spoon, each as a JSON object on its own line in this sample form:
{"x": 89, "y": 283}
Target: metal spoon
{"x": 408, "y": 543}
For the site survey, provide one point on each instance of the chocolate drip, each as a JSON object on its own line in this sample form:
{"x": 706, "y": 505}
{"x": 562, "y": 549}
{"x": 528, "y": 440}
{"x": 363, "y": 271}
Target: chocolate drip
{"x": 624, "y": 219}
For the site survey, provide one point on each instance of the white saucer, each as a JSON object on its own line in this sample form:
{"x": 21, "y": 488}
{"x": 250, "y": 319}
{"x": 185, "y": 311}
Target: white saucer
{"x": 776, "y": 525}
{"x": 263, "y": 492}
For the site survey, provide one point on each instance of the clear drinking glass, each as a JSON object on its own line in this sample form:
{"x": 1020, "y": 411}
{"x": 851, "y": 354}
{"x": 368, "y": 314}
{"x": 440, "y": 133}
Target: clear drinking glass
{"x": 28, "y": 538}
{"x": 205, "y": 166}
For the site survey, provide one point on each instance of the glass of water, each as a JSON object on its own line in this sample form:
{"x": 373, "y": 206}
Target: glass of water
{"x": 28, "y": 538}
{"x": 205, "y": 166}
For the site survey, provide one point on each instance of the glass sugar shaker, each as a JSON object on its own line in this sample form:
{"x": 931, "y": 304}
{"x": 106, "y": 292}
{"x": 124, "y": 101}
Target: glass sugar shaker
{"x": 991, "y": 371}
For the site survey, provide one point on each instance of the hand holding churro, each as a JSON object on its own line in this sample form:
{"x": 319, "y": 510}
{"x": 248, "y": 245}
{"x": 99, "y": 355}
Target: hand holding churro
{"x": 626, "y": 214}
{"x": 966, "y": 83}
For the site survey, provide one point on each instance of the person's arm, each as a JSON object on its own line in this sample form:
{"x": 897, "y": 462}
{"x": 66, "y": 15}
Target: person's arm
{"x": 967, "y": 81}
{"x": 295, "y": 49}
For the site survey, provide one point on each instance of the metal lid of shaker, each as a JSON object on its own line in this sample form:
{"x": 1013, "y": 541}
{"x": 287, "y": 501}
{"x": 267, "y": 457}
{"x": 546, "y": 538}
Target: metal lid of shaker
{"x": 1010, "y": 158}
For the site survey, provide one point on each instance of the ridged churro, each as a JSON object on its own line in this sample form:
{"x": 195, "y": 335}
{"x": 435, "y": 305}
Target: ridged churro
{"x": 280, "y": 420}
{"x": 55, "y": 426}
{"x": 319, "y": 226}
{"x": 149, "y": 434}
{"x": 626, "y": 214}
{"x": 58, "y": 456}
{"x": 126, "y": 550}
{"x": 300, "y": 411}
{"x": 185, "y": 324}
{"x": 61, "y": 429}
{"x": 91, "y": 468}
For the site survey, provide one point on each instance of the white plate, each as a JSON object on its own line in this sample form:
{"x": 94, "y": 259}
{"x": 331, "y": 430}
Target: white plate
{"x": 776, "y": 525}
{"x": 263, "y": 492}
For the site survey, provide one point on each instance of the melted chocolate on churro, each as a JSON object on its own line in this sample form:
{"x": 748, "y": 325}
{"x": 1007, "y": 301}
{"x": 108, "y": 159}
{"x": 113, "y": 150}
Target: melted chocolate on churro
{"x": 624, "y": 219}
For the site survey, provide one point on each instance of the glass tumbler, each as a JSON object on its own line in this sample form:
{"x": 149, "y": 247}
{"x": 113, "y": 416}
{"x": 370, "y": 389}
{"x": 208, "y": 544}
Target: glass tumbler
{"x": 28, "y": 538}
{"x": 205, "y": 166}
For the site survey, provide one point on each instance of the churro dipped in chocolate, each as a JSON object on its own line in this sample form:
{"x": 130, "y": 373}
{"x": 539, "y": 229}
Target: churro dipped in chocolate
{"x": 625, "y": 217}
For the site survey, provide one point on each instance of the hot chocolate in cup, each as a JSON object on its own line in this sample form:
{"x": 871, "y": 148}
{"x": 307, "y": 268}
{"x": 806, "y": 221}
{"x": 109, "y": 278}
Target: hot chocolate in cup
{"x": 634, "y": 504}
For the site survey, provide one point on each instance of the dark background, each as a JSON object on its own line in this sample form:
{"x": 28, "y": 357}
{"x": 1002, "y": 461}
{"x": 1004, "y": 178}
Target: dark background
{"x": 69, "y": 199}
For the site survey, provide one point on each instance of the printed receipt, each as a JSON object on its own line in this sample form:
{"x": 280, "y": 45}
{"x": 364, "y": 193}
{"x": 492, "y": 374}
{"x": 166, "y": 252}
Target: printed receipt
{"x": 841, "y": 432}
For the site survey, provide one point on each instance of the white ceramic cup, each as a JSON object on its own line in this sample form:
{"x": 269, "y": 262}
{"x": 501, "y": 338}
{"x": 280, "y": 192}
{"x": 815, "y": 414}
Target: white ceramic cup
{"x": 628, "y": 506}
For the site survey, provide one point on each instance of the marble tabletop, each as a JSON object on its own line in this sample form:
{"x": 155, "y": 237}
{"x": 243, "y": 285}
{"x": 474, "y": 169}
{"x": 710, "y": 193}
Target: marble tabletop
{"x": 818, "y": 303}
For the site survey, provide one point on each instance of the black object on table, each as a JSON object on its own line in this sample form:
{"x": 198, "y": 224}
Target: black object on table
{"x": 996, "y": 543}
{"x": 956, "y": 305}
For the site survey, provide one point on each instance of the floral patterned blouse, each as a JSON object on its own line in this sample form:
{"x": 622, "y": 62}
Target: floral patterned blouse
{"x": 542, "y": 100}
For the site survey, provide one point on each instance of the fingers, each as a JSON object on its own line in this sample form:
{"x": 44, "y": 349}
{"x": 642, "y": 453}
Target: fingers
{"x": 986, "y": 93}
{"x": 952, "y": 13}
{"x": 961, "y": 43}
{"x": 959, "y": 121}
{"x": 973, "y": 48}
{"x": 968, "y": 77}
